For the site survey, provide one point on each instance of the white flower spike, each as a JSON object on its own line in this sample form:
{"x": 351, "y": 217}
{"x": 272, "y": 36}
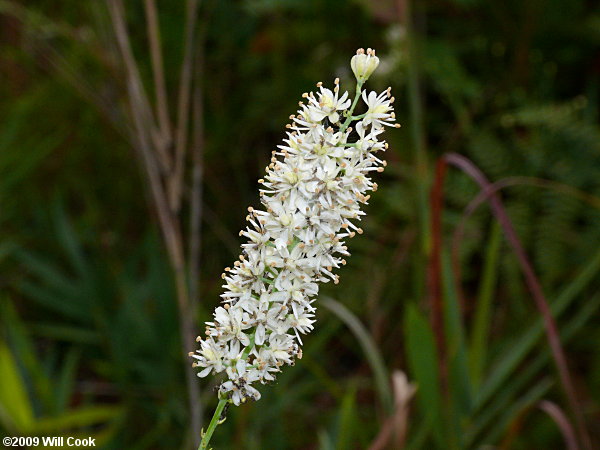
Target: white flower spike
{"x": 311, "y": 200}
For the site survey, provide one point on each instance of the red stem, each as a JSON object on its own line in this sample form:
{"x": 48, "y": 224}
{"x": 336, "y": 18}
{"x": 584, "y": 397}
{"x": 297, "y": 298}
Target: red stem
{"x": 531, "y": 279}
{"x": 434, "y": 272}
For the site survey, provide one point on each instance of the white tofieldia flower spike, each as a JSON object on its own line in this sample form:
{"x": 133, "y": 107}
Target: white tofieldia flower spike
{"x": 311, "y": 200}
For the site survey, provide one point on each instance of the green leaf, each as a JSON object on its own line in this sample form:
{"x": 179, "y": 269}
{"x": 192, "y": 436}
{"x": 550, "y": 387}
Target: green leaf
{"x": 457, "y": 349}
{"x": 515, "y": 409}
{"x": 516, "y": 352}
{"x": 14, "y": 401}
{"x": 79, "y": 418}
{"x": 483, "y": 308}
{"x": 422, "y": 361}
{"x": 370, "y": 349}
{"x": 511, "y": 390}
{"x": 346, "y": 435}
{"x": 65, "y": 383}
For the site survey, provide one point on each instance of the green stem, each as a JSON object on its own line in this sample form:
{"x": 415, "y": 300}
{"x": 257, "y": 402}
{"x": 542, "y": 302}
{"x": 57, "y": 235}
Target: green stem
{"x": 351, "y": 110}
{"x": 248, "y": 349}
{"x": 266, "y": 280}
{"x": 222, "y": 402}
{"x": 214, "y": 422}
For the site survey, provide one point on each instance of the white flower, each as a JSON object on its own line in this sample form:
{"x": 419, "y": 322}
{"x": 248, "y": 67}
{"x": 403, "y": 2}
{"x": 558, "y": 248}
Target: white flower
{"x": 364, "y": 65}
{"x": 311, "y": 200}
{"x": 328, "y": 105}
{"x": 380, "y": 109}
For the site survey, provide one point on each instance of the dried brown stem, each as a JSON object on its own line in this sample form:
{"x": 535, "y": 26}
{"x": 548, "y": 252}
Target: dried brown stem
{"x": 183, "y": 106}
{"x": 151, "y": 150}
{"x": 197, "y": 149}
{"x": 162, "y": 106}
{"x": 140, "y": 100}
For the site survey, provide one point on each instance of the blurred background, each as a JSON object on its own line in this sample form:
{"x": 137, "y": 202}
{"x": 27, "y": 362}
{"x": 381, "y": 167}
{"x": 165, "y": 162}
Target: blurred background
{"x": 131, "y": 138}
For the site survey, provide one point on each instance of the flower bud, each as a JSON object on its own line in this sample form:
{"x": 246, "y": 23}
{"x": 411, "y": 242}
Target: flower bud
{"x": 363, "y": 65}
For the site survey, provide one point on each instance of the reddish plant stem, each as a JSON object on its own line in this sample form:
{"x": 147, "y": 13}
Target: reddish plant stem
{"x": 559, "y": 417}
{"x": 434, "y": 273}
{"x": 531, "y": 279}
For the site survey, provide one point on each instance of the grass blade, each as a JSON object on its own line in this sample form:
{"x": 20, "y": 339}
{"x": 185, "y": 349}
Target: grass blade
{"x": 482, "y": 320}
{"x": 508, "y": 362}
{"x": 371, "y": 351}
{"x": 422, "y": 359}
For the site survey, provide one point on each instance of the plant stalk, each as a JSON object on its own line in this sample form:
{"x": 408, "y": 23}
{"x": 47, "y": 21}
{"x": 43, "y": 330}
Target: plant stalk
{"x": 214, "y": 422}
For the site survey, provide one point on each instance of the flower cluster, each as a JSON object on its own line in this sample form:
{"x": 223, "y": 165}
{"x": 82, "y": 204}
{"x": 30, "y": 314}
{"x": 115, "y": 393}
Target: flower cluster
{"x": 311, "y": 197}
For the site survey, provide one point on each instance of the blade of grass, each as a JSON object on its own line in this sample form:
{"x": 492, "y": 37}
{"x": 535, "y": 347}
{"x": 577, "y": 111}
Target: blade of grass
{"x": 507, "y": 363}
{"x": 510, "y": 389}
{"x": 417, "y": 124}
{"x": 462, "y": 395}
{"x": 68, "y": 238}
{"x": 81, "y": 417}
{"x": 15, "y": 405}
{"x": 66, "y": 333}
{"x": 346, "y": 432}
{"x": 483, "y": 307}
{"x": 423, "y": 363}
{"x": 517, "y": 408}
{"x": 536, "y": 291}
{"x": 66, "y": 380}
{"x": 370, "y": 349}
{"x": 319, "y": 373}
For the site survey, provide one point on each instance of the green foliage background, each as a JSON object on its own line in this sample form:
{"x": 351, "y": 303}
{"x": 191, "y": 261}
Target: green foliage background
{"x": 89, "y": 339}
